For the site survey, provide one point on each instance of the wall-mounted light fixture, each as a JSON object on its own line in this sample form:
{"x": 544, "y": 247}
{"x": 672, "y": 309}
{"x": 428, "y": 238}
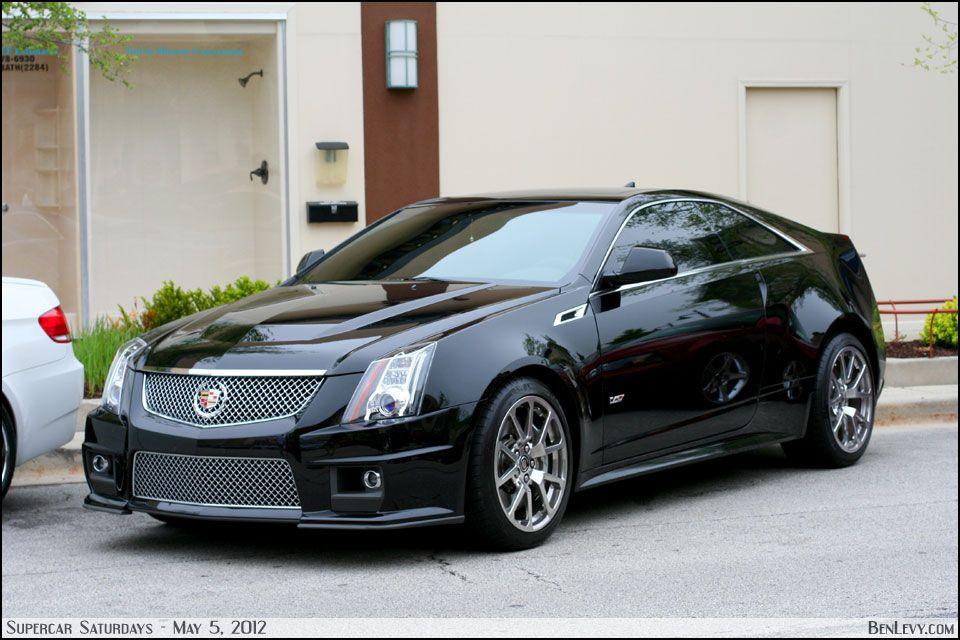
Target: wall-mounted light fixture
{"x": 332, "y": 163}
{"x": 401, "y": 54}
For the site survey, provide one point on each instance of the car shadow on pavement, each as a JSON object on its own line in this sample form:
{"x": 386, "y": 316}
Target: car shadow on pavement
{"x": 665, "y": 488}
{"x": 277, "y": 544}
{"x": 34, "y": 508}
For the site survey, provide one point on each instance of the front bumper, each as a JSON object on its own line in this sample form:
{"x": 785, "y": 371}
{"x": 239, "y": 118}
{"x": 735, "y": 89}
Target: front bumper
{"x": 422, "y": 462}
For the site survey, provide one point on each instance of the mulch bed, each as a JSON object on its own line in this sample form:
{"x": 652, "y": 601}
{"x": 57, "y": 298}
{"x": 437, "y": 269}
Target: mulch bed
{"x": 917, "y": 349}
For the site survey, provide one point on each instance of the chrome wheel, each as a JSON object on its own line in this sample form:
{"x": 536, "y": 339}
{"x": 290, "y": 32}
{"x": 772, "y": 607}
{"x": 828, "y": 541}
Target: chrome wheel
{"x": 791, "y": 380}
{"x": 530, "y": 469}
{"x": 851, "y": 399}
{"x": 724, "y": 377}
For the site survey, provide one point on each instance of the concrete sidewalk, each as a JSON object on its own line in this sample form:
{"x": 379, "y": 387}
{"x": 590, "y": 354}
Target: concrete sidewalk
{"x": 920, "y": 372}
{"x": 905, "y": 405}
{"x": 897, "y": 406}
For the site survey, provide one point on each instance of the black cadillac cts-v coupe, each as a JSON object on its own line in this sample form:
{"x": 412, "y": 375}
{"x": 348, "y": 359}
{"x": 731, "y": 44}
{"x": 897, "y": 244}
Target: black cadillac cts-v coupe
{"x": 480, "y": 359}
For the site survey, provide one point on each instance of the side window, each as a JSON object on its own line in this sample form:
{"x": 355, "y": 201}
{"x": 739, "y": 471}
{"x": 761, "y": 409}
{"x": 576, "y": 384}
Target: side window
{"x": 679, "y": 228}
{"x": 742, "y": 236}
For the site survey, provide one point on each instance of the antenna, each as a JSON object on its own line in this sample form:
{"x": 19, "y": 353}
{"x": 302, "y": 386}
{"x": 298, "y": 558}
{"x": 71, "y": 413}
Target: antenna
{"x": 631, "y": 185}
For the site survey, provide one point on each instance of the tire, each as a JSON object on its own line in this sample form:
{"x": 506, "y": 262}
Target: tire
{"x": 538, "y": 465}
{"x": 824, "y": 444}
{"x": 9, "y": 450}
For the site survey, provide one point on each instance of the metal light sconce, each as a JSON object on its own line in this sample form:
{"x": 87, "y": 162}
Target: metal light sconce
{"x": 332, "y": 163}
{"x": 401, "y": 54}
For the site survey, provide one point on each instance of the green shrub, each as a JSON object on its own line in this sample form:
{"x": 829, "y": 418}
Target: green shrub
{"x": 95, "y": 348}
{"x": 944, "y": 326}
{"x": 236, "y": 290}
{"x": 171, "y": 302}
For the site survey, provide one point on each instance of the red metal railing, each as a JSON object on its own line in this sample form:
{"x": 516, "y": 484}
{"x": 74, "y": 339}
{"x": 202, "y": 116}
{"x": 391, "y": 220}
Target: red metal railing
{"x": 896, "y": 313}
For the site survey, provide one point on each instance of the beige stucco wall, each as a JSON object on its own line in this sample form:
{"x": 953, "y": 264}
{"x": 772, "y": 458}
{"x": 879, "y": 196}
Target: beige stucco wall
{"x": 326, "y": 104}
{"x": 40, "y": 225}
{"x": 535, "y": 95}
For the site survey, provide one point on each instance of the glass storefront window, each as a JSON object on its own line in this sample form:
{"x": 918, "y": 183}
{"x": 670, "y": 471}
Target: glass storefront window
{"x": 40, "y": 229}
{"x": 172, "y": 196}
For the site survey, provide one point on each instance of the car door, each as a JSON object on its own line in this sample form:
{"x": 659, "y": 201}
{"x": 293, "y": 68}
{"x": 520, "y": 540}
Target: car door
{"x": 681, "y": 356}
{"x": 787, "y": 369}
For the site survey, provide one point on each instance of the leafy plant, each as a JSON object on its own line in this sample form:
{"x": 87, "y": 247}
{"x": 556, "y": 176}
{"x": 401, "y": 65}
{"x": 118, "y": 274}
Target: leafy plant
{"x": 943, "y": 325}
{"x": 55, "y": 27}
{"x": 95, "y": 348}
{"x": 171, "y": 302}
{"x": 236, "y": 290}
{"x": 938, "y": 53}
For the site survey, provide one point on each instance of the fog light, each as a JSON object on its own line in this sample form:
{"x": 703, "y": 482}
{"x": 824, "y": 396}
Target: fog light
{"x": 100, "y": 464}
{"x": 372, "y": 479}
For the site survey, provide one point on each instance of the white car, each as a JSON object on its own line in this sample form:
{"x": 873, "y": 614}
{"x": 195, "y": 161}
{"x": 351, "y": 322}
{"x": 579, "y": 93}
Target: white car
{"x": 42, "y": 379}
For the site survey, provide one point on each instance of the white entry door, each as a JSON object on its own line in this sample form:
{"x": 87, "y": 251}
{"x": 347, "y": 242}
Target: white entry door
{"x": 791, "y": 153}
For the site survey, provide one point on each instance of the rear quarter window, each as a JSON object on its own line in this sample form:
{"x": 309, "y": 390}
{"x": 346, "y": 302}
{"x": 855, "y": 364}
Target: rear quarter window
{"x": 744, "y": 237}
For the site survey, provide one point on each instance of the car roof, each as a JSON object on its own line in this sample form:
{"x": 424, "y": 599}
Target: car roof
{"x": 602, "y": 194}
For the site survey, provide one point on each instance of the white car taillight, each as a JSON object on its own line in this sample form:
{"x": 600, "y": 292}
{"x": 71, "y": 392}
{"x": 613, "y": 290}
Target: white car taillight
{"x": 54, "y": 324}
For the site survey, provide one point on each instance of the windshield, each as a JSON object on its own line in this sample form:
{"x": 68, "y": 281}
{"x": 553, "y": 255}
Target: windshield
{"x": 500, "y": 241}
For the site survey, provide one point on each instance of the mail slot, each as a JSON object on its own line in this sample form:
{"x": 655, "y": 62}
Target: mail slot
{"x": 345, "y": 211}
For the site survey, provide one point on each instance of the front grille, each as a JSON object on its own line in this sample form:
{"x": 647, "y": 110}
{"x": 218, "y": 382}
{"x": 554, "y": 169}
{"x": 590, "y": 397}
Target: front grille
{"x": 214, "y": 481}
{"x": 238, "y": 399}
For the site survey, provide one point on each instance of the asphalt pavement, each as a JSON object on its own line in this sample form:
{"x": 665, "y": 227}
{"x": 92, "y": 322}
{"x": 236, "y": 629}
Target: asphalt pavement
{"x": 749, "y": 535}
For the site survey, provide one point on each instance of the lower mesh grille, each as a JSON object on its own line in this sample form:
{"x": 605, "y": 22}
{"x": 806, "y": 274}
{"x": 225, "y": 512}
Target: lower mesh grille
{"x": 215, "y": 481}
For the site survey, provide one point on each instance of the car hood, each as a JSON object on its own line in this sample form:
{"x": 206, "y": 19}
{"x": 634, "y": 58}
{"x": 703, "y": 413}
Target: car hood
{"x": 339, "y": 328}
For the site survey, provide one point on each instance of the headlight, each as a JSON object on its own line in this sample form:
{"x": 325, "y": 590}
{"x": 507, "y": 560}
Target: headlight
{"x": 113, "y": 386}
{"x": 391, "y": 387}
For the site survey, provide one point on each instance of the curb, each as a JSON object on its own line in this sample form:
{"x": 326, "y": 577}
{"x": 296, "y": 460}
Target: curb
{"x": 898, "y": 406}
{"x": 905, "y": 405}
{"x": 86, "y": 406}
{"x": 920, "y": 372}
{"x": 57, "y": 467}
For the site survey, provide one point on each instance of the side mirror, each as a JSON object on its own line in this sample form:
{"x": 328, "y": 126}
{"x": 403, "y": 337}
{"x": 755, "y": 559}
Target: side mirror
{"x": 643, "y": 264}
{"x": 309, "y": 259}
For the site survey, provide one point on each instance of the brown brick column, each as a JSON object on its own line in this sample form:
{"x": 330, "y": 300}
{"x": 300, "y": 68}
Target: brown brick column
{"x": 401, "y": 145}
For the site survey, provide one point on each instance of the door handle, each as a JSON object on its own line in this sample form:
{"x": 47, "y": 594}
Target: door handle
{"x": 261, "y": 172}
